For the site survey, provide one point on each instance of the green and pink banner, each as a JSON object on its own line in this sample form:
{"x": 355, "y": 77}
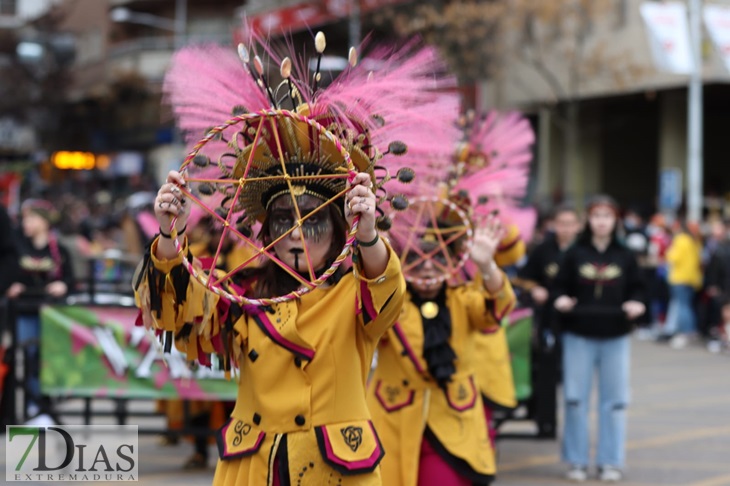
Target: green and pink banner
{"x": 99, "y": 352}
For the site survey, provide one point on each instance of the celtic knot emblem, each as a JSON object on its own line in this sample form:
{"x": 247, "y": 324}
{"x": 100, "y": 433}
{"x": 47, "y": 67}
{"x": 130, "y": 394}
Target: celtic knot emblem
{"x": 392, "y": 393}
{"x": 352, "y": 436}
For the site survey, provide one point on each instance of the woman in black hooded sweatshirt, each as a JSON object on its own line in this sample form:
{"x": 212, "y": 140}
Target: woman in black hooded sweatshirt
{"x": 599, "y": 291}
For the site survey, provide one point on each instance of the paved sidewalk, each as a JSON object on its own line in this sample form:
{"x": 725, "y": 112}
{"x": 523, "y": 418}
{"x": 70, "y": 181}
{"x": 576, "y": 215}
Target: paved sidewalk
{"x": 679, "y": 430}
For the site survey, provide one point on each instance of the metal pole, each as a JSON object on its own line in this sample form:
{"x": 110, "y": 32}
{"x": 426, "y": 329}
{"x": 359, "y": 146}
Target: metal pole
{"x": 694, "y": 126}
{"x": 181, "y": 20}
{"x": 354, "y": 23}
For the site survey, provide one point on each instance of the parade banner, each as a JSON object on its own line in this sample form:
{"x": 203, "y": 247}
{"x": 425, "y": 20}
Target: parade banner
{"x": 98, "y": 352}
{"x": 717, "y": 21}
{"x": 519, "y": 339}
{"x": 668, "y": 31}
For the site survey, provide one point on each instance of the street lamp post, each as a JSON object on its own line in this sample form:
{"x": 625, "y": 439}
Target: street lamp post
{"x": 694, "y": 128}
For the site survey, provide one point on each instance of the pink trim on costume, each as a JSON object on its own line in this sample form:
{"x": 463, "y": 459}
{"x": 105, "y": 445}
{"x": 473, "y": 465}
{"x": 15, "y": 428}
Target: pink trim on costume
{"x": 491, "y": 330}
{"x": 470, "y": 404}
{"x": 393, "y": 408}
{"x": 493, "y": 310}
{"x": 253, "y": 448}
{"x": 504, "y": 310}
{"x": 407, "y": 346}
{"x": 367, "y": 300}
{"x": 518, "y": 314}
{"x": 274, "y": 334}
{"x": 353, "y": 465}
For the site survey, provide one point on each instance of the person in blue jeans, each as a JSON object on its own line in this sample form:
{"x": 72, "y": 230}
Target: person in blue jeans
{"x": 599, "y": 291}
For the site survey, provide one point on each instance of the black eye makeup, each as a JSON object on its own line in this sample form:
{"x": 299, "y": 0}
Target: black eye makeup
{"x": 314, "y": 227}
{"x": 439, "y": 259}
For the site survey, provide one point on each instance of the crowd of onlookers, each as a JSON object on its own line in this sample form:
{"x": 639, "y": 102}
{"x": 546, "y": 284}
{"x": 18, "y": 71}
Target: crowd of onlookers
{"x": 686, "y": 269}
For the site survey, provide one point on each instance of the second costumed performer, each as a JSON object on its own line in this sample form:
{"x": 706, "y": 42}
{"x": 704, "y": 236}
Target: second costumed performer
{"x": 424, "y": 395}
{"x": 300, "y": 328}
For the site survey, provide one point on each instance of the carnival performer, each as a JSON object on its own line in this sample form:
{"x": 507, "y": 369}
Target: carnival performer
{"x": 424, "y": 394}
{"x": 599, "y": 290}
{"x": 301, "y": 329}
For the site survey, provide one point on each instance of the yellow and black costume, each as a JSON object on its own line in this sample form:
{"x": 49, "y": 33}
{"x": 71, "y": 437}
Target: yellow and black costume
{"x": 303, "y": 366}
{"x": 409, "y": 404}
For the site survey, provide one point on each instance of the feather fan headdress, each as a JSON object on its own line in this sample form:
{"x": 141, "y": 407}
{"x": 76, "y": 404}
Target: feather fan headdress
{"x": 397, "y": 109}
{"x": 487, "y": 173}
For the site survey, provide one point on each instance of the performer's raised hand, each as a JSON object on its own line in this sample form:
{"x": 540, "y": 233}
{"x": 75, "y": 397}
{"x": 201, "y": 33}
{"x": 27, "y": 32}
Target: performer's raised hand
{"x": 171, "y": 202}
{"x": 486, "y": 241}
{"x": 361, "y": 200}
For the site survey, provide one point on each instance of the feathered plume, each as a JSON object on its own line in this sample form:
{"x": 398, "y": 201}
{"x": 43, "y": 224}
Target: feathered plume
{"x": 397, "y": 103}
{"x": 206, "y": 85}
{"x": 492, "y": 165}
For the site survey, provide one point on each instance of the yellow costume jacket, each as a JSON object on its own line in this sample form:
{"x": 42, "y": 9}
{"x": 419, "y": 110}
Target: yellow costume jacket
{"x": 408, "y": 405}
{"x": 494, "y": 369}
{"x": 303, "y": 369}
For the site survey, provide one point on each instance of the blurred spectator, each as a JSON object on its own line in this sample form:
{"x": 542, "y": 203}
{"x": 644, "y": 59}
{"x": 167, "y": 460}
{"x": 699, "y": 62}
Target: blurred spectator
{"x": 685, "y": 278}
{"x": 542, "y": 266}
{"x": 599, "y": 289}
{"x": 636, "y": 239}
{"x": 717, "y": 270}
{"x": 635, "y": 235}
{"x": 657, "y": 288}
{"x": 45, "y": 274}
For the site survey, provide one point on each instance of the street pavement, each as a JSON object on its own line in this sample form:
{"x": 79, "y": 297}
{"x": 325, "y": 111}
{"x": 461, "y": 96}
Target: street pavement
{"x": 678, "y": 432}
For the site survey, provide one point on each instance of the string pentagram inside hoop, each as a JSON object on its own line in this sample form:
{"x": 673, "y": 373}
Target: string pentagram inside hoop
{"x": 443, "y": 226}
{"x": 252, "y": 157}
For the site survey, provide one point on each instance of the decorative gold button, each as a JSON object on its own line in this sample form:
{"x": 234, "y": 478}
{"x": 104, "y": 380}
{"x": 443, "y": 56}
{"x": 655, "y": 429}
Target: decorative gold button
{"x": 429, "y": 310}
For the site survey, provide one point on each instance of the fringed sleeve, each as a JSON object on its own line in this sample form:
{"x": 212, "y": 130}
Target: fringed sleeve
{"x": 182, "y": 311}
{"x": 380, "y": 299}
{"x": 487, "y": 309}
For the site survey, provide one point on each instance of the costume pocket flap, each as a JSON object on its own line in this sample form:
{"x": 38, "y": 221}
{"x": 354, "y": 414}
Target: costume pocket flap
{"x": 393, "y": 397}
{"x": 350, "y": 447}
{"x": 238, "y": 439}
{"x": 461, "y": 393}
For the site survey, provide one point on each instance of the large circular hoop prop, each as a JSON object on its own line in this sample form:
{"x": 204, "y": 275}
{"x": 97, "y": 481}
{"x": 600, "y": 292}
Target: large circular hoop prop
{"x": 263, "y": 120}
{"x": 421, "y": 218}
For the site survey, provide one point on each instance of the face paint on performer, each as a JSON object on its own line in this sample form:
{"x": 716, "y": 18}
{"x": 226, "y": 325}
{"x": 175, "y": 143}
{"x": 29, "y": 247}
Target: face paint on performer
{"x": 316, "y": 231}
{"x": 426, "y": 270}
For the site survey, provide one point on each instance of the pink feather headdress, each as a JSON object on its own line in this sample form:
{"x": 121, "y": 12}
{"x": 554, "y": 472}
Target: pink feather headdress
{"x": 390, "y": 111}
{"x": 486, "y": 172}
{"x": 492, "y": 165}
